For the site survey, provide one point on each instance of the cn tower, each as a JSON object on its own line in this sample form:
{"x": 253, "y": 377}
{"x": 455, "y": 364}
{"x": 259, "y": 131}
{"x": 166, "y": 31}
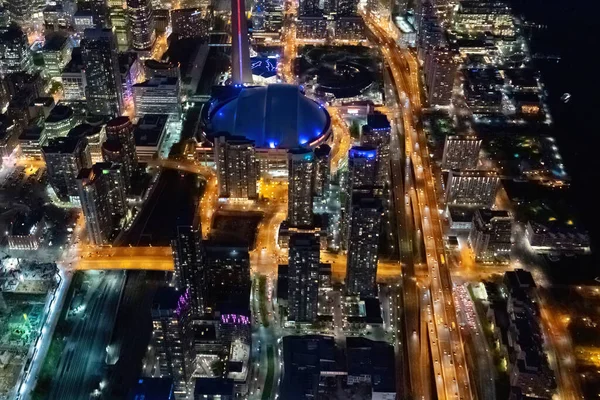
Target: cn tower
{"x": 240, "y": 54}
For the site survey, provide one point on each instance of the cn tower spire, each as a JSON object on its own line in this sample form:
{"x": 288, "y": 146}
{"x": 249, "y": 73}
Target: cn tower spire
{"x": 240, "y": 54}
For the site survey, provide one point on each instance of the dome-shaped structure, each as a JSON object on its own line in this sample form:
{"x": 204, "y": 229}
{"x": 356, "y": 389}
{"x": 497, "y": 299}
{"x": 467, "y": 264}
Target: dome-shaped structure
{"x": 273, "y": 116}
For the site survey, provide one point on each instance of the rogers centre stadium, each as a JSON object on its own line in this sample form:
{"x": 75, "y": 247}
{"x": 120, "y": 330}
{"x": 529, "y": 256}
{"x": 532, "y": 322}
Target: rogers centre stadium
{"x": 276, "y": 116}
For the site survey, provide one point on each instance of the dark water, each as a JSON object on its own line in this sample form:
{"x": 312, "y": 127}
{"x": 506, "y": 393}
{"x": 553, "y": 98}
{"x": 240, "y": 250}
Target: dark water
{"x": 572, "y": 33}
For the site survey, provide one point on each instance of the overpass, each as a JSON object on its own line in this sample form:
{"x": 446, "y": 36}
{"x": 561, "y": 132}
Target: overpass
{"x": 131, "y": 258}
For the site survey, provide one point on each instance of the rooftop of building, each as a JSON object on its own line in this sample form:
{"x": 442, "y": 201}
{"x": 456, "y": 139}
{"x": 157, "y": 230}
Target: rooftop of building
{"x": 76, "y": 63}
{"x": 24, "y": 224}
{"x": 487, "y": 215}
{"x": 118, "y": 122}
{"x": 43, "y": 101}
{"x": 323, "y": 150}
{"x": 213, "y": 387}
{"x": 273, "y": 116}
{"x": 62, "y": 145}
{"x": 32, "y": 132}
{"x": 362, "y": 152}
{"x": 84, "y": 130}
{"x": 378, "y": 121}
{"x": 55, "y": 41}
{"x": 521, "y": 77}
{"x": 459, "y": 213}
{"x": 166, "y": 299}
{"x": 59, "y": 113}
{"x": 225, "y": 249}
{"x": 150, "y": 129}
{"x": 13, "y": 34}
{"x": 112, "y": 145}
{"x": 519, "y": 278}
{"x": 152, "y": 389}
{"x": 487, "y": 6}
{"x": 159, "y": 65}
{"x": 158, "y": 81}
{"x": 5, "y": 125}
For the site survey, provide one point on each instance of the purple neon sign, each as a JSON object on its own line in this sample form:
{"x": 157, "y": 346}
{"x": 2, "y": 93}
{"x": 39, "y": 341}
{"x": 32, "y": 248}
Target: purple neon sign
{"x": 235, "y": 319}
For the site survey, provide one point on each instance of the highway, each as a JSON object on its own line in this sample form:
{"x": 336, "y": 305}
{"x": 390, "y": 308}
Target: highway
{"x": 449, "y": 365}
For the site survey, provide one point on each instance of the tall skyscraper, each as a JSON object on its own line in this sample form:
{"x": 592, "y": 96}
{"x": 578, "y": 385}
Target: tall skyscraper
{"x": 472, "y": 187}
{"x": 188, "y": 256}
{"x": 363, "y": 244}
{"x": 65, "y": 157}
{"x": 15, "y": 55}
{"x": 362, "y": 167}
{"x": 102, "y": 197}
{"x": 240, "y": 53}
{"x": 461, "y": 152}
{"x": 236, "y": 166}
{"x": 100, "y": 59}
{"x": 441, "y": 65}
{"x": 301, "y": 165}
{"x": 303, "y": 277}
{"x": 141, "y": 24}
{"x": 172, "y": 337}
{"x": 490, "y": 235}
{"x": 322, "y": 170}
{"x": 121, "y": 129}
{"x": 376, "y": 133}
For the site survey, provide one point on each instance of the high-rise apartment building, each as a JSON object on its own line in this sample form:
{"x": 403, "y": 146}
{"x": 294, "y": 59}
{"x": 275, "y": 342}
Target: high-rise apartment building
{"x": 376, "y": 133}
{"x": 102, "y": 197}
{"x": 236, "y": 166}
{"x": 121, "y": 130}
{"x": 101, "y": 63}
{"x": 472, "y": 187}
{"x": 461, "y": 152}
{"x": 364, "y": 226}
{"x": 303, "y": 277}
{"x": 322, "y": 170}
{"x": 441, "y": 65}
{"x": 490, "y": 235}
{"x": 362, "y": 167}
{"x": 188, "y": 256}
{"x": 173, "y": 339}
{"x": 141, "y": 24}
{"x": 301, "y": 165}
{"x": 157, "y": 96}
{"x": 65, "y": 157}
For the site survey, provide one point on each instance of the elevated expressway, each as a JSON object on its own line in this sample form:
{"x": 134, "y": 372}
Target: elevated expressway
{"x": 437, "y": 307}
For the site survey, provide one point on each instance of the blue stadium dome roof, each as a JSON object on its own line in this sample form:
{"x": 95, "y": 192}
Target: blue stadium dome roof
{"x": 274, "y": 116}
